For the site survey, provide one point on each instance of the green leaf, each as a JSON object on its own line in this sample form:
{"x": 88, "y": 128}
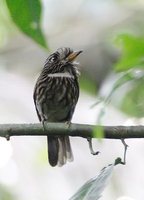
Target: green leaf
{"x": 26, "y": 14}
{"x": 92, "y": 189}
{"x": 132, "y": 52}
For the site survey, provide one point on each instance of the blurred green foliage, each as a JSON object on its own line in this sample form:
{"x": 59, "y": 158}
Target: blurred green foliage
{"x": 131, "y": 62}
{"x": 133, "y": 102}
{"x": 6, "y": 194}
{"x": 132, "y": 52}
{"x": 130, "y": 69}
{"x": 98, "y": 131}
{"x": 26, "y": 14}
{"x": 6, "y": 28}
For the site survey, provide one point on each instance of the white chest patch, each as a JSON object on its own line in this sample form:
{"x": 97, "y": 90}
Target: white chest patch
{"x": 62, "y": 75}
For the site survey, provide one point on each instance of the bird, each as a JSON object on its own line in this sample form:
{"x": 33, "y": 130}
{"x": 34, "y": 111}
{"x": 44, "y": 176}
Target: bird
{"x": 56, "y": 93}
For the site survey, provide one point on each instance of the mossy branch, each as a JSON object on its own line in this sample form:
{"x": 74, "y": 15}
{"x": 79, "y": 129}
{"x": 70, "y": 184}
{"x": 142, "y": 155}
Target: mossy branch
{"x": 76, "y": 130}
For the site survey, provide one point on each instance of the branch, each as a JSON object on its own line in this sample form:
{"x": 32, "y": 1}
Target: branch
{"x": 76, "y": 130}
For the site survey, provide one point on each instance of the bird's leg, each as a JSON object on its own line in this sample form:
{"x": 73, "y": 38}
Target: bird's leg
{"x": 125, "y": 150}
{"x": 91, "y": 147}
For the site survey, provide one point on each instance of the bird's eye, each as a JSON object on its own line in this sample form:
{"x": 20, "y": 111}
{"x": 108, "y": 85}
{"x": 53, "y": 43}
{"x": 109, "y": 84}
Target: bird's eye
{"x": 53, "y": 58}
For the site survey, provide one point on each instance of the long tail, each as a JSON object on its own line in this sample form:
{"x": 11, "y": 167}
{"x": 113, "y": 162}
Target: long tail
{"x": 59, "y": 150}
{"x": 53, "y": 148}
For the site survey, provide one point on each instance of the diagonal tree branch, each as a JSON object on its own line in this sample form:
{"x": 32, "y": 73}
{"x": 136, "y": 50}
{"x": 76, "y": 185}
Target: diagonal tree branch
{"x": 76, "y": 130}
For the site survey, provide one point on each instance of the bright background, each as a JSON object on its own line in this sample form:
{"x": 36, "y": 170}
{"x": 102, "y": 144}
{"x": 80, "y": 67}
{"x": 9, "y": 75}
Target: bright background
{"x": 79, "y": 24}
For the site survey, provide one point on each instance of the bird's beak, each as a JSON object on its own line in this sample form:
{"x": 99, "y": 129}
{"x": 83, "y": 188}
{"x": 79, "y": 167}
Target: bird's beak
{"x": 73, "y": 55}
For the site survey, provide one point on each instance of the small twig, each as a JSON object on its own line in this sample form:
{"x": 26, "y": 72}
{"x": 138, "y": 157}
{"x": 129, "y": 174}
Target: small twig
{"x": 125, "y": 150}
{"x": 91, "y": 147}
{"x": 119, "y": 160}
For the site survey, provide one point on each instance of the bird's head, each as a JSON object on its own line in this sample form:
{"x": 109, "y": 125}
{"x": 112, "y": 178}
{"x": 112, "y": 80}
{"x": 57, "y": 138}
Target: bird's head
{"x": 62, "y": 57}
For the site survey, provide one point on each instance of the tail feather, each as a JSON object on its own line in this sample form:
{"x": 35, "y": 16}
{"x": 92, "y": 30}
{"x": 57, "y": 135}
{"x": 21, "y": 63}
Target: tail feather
{"x": 62, "y": 153}
{"x": 53, "y": 148}
{"x": 59, "y": 150}
{"x": 69, "y": 154}
{"x": 65, "y": 152}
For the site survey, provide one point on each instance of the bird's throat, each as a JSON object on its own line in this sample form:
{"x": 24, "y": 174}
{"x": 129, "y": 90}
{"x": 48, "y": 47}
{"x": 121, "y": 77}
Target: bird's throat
{"x": 62, "y": 75}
